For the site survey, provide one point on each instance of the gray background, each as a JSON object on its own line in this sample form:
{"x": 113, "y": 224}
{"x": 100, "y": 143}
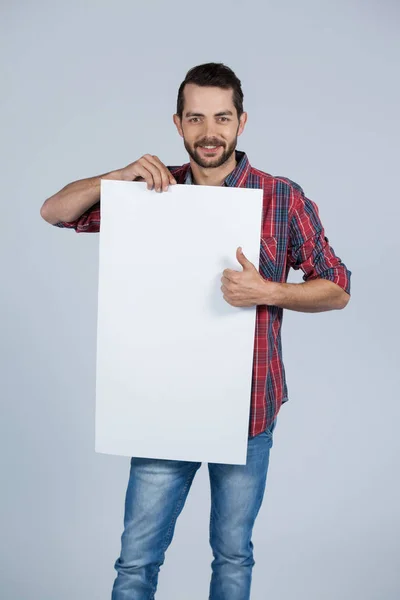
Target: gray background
{"x": 89, "y": 87}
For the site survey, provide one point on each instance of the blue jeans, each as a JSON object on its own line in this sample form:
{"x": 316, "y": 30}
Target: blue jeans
{"x": 157, "y": 491}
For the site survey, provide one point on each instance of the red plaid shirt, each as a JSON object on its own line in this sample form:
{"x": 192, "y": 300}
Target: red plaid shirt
{"x": 292, "y": 236}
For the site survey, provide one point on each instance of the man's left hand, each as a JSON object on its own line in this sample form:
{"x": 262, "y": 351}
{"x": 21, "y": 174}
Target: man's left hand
{"x": 247, "y": 287}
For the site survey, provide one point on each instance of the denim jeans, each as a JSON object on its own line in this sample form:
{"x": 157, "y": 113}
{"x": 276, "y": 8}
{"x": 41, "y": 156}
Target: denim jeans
{"x": 157, "y": 491}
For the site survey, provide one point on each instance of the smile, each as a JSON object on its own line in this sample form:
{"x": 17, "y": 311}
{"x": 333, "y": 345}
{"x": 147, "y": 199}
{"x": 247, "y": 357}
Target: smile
{"x": 207, "y": 149}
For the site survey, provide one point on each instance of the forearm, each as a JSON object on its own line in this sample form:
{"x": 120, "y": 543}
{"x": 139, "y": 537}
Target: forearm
{"x": 74, "y": 199}
{"x": 316, "y": 295}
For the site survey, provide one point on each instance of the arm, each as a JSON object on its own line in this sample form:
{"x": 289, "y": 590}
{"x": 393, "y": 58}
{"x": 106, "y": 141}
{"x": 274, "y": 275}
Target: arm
{"x": 316, "y": 295}
{"x": 75, "y": 199}
{"x": 77, "y": 205}
{"x": 249, "y": 288}
{"x": 326, "y": 279}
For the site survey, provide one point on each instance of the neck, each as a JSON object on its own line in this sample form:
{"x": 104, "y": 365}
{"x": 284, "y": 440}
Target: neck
{"x": 215, "y": 176}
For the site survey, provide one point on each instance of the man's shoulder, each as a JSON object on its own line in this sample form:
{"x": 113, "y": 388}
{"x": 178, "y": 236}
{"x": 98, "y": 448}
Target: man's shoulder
{"x": 276, "y": 179}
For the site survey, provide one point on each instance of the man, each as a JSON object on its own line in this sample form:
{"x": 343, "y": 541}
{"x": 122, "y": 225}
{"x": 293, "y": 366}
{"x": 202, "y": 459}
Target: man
{"x": 210, "y": 118}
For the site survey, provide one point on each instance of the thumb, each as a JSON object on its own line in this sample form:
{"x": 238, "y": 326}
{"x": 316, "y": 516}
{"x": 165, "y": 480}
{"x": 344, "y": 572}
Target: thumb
{"x": 246, "y": 264}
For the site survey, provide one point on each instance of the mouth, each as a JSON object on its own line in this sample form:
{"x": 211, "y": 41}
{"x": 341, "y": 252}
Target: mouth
{"x": 209, "y": 150}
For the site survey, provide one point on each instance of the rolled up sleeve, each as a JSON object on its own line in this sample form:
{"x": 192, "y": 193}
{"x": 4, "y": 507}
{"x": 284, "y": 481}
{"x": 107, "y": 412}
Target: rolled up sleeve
{"x": 89, "y": 222}
{"x": 309, "y": 248}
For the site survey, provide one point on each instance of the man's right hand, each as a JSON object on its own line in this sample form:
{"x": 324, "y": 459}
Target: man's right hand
{"x": 150, "y": 169}
{"x": 73, "y": 200}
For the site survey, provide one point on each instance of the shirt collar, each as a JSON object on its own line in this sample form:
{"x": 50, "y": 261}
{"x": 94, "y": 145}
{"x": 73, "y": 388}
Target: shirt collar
{"x": 235, "y": 179}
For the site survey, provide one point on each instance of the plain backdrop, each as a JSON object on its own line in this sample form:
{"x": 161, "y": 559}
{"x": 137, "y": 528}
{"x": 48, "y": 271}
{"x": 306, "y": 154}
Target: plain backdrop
{"x": 88, "y": 87}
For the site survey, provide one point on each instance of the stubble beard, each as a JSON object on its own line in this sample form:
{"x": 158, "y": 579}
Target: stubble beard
{"x": 210, "y": 163}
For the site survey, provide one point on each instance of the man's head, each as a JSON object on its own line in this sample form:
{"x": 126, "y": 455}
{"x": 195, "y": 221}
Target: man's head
{"x": 209, "y": 114}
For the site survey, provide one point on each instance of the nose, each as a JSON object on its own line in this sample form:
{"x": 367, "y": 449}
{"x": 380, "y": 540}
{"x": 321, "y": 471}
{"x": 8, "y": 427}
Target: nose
{"x": 210, "y": 129}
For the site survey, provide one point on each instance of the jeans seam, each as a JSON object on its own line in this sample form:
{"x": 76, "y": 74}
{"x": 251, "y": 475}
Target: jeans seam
{"x": 173, "y": 520}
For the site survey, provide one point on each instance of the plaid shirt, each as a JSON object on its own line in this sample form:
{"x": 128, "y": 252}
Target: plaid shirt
{"x": 292, "y": 236}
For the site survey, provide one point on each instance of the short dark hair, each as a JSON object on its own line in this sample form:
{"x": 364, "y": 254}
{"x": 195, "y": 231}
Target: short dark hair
{"x": 213, "y": 75}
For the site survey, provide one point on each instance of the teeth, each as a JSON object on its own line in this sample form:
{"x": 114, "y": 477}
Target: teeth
{"x": 210, "y": 147}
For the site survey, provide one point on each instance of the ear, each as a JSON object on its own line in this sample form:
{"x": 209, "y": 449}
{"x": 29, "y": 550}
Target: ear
{"x": 178, "y": 123}
{"x": 242, "y": 123}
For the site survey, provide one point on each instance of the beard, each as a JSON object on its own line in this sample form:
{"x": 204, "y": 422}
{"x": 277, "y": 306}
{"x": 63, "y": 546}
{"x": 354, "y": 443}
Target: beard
{"x": 211, "y": 163}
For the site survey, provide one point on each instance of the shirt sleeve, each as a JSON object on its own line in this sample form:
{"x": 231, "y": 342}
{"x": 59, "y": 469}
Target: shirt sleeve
{"x": 89, "y": 222}
{"x": 309, "y": 248}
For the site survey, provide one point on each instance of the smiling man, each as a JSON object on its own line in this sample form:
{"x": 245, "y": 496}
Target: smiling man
{"x": 210, "y": 118}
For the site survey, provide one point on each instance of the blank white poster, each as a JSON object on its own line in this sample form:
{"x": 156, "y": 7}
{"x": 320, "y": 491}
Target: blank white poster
{"x": 174, "y": 359}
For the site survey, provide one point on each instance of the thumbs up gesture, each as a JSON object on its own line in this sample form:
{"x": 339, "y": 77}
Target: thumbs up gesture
{"x": 246, "y": 287}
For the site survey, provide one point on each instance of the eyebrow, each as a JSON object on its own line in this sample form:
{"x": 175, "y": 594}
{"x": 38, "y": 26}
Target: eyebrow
{"x": 223, "y": 113}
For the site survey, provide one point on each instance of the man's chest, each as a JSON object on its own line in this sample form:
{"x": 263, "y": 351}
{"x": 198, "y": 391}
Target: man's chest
{"x": 274, "y": 233}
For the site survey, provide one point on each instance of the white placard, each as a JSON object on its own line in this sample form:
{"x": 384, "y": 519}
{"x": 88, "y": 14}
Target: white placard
{"x": 174, "y": 359}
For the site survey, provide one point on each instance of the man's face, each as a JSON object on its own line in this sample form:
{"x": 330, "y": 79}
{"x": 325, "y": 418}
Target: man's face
{"x": 209, "y": 125}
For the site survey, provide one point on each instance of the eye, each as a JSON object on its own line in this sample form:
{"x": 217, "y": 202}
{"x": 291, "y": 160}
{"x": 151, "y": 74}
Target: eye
{"x": 223, "y": 119}
{"x": 194, "y": 119}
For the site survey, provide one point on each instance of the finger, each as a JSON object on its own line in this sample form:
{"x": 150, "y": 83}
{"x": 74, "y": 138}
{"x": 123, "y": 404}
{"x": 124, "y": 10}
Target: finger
{"x": 166, "y": 175}
{"x": 154, "y": 169}
{"x": 144, "y": 173}
{"x": 149, "y": 172}
{"x": 231, "y": 275}
{"x": 163, "y": 172}
{"x": 171, "y": 178}
{"x": 246, "y": 264}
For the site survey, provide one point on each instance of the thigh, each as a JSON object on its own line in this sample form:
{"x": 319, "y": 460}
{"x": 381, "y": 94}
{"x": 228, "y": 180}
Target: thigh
{"x": 156, "y": 494}
{"x": 237, "y": 490}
